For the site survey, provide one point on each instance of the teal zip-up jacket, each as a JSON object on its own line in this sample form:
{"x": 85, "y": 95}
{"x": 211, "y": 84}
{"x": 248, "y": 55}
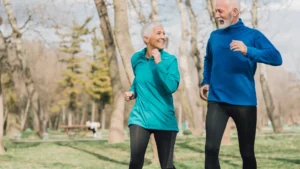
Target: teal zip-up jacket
{"x": 153, "y": 87}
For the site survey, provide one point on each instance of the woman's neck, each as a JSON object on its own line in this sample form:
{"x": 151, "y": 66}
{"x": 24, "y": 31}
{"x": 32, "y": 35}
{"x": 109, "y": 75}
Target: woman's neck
{"x": 149, "y": 52}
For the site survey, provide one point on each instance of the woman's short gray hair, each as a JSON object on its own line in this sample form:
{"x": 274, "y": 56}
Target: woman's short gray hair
{"x": 148, "y": 28}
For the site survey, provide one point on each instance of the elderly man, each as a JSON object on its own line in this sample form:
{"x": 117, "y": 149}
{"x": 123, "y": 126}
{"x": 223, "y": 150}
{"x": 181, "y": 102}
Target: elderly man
{"x": 232, "y": 54}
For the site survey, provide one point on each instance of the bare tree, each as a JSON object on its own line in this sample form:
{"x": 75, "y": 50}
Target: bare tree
{"x": 122, "y": 36}
{"x": 116, "y": 133}
{"x": 154, "y": 13}
{"x": 195, "y": 53}
{"x": 191, "y": 95}
{"x": 272, "y": 110}
{"x": 3, "y": 59}
{"x": 137, "y": 8}
{"x": 212, "y": 14}
{"x": 2, "y": 150}
{"x": 21, "y": 69}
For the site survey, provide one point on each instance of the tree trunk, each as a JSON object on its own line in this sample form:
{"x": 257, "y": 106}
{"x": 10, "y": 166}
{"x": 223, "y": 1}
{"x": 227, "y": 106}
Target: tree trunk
{"x": 137, "y": 8}
{"x": 210, "y": 8}
{"x": 179, "y": 115}
{"x": 192, "y": 96}
{"x": 103, "y": 119}
{"x": 83, "y": 116}
{"x": 3, "y": 57}
{"x": 70, "y": 117}
{"x": 25, "y": 114}
{"x": 56, "y": 124}
{"x": 36, "y": 123}
{"x": 20, "y": 65}
{"x": 154, "y": 13}
{"x": 64, "y": 115}
{"x": 13, "y": 124}
{"x": 93, "y": 110}
{"x": 37, "y": 126}
{"x": 2, "y": 150}
{"x": 272, "y": 111}
{"x": 116, "y": 129}
{"x": 261, "y": 108}
{"x": 122, "y": 36}
{"x": 195, "y": 53}
{"x": 44, "y": 121}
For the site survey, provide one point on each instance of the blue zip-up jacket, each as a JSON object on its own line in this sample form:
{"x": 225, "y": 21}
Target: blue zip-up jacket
{"x": 231, "y": 74}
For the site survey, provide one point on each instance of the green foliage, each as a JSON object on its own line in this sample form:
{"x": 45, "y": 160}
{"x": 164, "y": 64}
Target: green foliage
{"x": 99, "y": 84}
{"x": 72, "y": 81}
{"x": 187, "y": 132}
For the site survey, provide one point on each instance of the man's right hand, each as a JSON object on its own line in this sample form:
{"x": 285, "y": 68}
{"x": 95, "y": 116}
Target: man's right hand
{"x": 129, "y": 96}
{"x": 203, "y": 91}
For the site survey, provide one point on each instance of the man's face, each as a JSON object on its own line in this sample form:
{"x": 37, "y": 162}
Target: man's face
{"x": 157, "y": 39}
{"x": 223, "y": 13}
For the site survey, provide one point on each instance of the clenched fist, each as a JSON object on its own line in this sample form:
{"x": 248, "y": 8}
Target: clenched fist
{"x": 156, "y": 55}
{"x": 238, "y": 46}
{"x": 129, "y": 96}
{"x": 203, "y": 91}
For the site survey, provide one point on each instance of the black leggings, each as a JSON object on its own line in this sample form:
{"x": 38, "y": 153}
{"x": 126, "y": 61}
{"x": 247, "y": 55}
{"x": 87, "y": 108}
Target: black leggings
{"x": 216, "y": 120}
{"x": 139, "y": 138}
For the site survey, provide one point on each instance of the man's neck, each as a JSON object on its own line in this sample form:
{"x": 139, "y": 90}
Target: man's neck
{"x": 235, "y": 20}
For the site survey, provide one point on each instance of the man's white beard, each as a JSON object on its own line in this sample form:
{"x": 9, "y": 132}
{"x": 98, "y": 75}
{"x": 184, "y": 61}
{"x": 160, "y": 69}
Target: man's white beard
{"x": 226, "y": 22}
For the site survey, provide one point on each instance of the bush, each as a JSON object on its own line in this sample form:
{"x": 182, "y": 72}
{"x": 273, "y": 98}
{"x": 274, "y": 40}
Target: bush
{"x": 187, "y": 132}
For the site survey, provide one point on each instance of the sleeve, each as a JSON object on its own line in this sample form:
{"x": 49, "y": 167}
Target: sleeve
{"x": 133, "y": 85}
{"x": 264, "y": 51}
{"x": 133, "y": 88}
{"x": 207, "y": 65}
{"x": 169, "y": 75}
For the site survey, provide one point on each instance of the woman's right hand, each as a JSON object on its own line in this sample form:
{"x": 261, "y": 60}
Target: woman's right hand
{"x": 129, "y": 96}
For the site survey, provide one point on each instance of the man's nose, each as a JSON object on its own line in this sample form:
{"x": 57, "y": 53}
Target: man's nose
{"x": 217, "y": 14}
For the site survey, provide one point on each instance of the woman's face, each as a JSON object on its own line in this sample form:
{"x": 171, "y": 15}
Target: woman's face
{"x": 157, "y": 39}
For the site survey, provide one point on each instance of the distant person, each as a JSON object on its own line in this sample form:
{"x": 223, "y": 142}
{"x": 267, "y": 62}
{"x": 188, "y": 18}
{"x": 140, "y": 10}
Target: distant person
{"x": 93, "y": 126}
{"x": 156, "y": 79}
{"x": 232, "y": 54}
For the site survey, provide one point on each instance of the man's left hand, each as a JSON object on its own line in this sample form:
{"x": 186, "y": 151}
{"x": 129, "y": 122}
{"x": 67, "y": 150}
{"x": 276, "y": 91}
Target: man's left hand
{"x": 156, "y": 55}
{"x": 238, "y": 46}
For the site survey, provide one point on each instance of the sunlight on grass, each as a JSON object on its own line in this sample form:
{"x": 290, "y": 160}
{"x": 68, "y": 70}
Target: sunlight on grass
{"x": 272, "y": 152}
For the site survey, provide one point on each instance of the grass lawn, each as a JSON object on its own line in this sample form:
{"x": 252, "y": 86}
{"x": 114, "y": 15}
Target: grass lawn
{"x": 272, "y": 152}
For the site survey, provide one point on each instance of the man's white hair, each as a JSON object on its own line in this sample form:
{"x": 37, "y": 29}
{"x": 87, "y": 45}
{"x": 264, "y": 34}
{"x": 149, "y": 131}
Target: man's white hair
{"x": 233, "y": 3}
{"x": 148, "y": 28}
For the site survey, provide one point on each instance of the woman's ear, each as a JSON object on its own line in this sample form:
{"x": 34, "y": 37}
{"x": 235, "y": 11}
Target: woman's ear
{"x": 146, "y": 39}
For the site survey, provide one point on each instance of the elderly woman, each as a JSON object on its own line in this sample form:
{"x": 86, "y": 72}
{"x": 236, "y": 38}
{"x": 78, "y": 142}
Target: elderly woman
{"x": 156, "y": 78}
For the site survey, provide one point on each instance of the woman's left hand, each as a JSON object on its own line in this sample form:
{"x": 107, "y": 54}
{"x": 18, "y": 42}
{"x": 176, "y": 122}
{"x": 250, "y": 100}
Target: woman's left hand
{"x": 156, "y": 55}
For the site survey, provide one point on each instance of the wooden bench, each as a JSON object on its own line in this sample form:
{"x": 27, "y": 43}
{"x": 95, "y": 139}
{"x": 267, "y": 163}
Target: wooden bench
{"x": 73, "y": 127}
